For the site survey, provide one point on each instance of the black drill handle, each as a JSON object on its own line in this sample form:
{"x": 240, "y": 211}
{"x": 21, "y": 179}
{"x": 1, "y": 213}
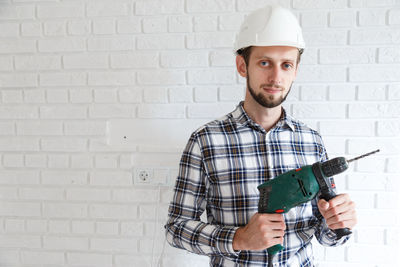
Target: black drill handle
{"x": 328, "y": 195}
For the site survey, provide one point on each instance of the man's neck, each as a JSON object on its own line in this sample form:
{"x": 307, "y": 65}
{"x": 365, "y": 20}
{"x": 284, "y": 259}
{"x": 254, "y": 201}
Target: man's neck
{"x": 266, "y": 117}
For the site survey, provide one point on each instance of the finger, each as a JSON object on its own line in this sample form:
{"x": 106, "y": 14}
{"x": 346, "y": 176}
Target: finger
{"x": 347, "y": 216}
{"x": 339, "y": 199}
{"x": 343, "y": 224}
{"x": 323, "y": 205}
{"x": 337, "y": 210}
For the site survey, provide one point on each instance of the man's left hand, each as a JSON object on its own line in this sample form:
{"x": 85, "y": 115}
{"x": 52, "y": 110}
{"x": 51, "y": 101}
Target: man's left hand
{"x": 339, "y": 212}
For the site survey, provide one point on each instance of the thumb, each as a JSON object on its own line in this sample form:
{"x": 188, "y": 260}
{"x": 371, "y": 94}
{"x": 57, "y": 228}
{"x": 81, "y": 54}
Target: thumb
{"x": 323, "y": 205}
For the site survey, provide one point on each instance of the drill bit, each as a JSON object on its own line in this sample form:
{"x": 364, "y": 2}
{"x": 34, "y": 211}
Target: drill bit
{"x": 362, "y": 156}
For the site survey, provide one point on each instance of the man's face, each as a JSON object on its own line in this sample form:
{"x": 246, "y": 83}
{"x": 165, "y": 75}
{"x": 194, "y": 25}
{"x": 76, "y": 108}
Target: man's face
{"x": 270, "y": 74}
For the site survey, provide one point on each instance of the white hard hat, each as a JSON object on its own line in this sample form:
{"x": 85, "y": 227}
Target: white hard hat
{"x": 270, "y": 26}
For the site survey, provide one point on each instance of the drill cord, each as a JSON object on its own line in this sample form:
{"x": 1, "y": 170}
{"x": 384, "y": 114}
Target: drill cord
{"x": 270, "y": 260}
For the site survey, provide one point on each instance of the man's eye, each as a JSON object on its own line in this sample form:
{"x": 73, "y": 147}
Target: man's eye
{"x": 287, "y": 66}
{"x": 264, "y": 63}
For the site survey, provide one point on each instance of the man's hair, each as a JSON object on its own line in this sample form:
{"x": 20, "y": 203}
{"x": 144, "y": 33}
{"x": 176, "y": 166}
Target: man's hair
{"x": 245, "y": 53}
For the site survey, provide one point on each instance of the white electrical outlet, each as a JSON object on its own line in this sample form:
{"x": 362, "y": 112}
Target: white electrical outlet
{"x": 144, "y": 176}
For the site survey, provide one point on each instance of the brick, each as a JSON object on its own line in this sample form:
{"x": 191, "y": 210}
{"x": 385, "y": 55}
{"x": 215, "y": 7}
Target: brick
{"x": 371, "y": 253}
{"x": 155, "y": 95}
{"x": 209, "y": 110}
{"x": 6, "y": 63}
{"x": 107, "y": 9}
{"x": 12, "y": 96}
{"x": 81, "y": 95}
{"x": 373, "y": 73}
{"x": 342, "y": 18}
{"x": 321, "y": 73}
{"x": 210, "y": 40}
{"x": 134, "y": 60}
{"x": 114, "y": 244}
{"x": 88, "y": 194}
{"x": 222, "y": 58}
{"x": 71, "y": 44}
{"x": 111, "y": 43}
{"x": 104, "y": 26}
{"x": 231, "y": 93}
{"x": 371, "y": 92}
{"x": 334, "y": 37}
{"x": 85, "y": 128}
{"x": 394, "y": 92}
{"x": 36, "y": 226}
{"x": 21, "y": 241}
{"x": 9, "y": 30}
{"x": 374, "y": 110}
{"x": 111, "y": 78}
{"x": 229, "y": 22}
{"x": 391, "y": 146}
{"x": 42, "y": 193}
{"x": 347, "y": 55}
{"x": 310, "y": 92}
{"x": 154, "y": 25}
{"x": 392, "y": 236}
{"x": 83, "y": 227}
{"x": 374, "y": 36}
{"x": 164, "y": 77}
{"x": 39, "y": 128}
{"x": 180, "y": 24}
{"x": 17, "y": 12}
{"x": 79, "y": 27}
{"x": 129, "y": 25}
{"x": 18, "y": 80}
{"x": 13, "y": 160}
{"x": 205, "y": 23}
{"x": 13, "y": 144}
{"x": 209, "y": 6}
{"x": 132, "y": 228}
{"x": 55, "y": 28}
{"x": 62, "y": 79}
{"x": 211, "y": 76}
{"x": 31, "y": 29}
{"x": 160, "y": 41}
{"x": 371, "y": 164}
{"x": 88, "y": 61}
{"x": 107, "y": 228}
{"x": 81, "y": 161}
{"x": 111, "y": 178}
{"x": 205, "y": 94}
{"x": 8, "y": 193}
{"x": 394, "y": 17}
{"x": 58, "y": 161}
{"x": 180, "y": 94}
{"x": 35, "y": 161}
{"x": 389, "y": 55}
{"x": 37, "y": 62}
{"x": 363, "y": 200}
{"x": 19, "y": 177}
{"x": 165, "y": 111}
{"x": 106, "y": 161}
{"x": 105, "y": 96}
{"x": 130, "y": 95}
{"x": 89, "y": 259}
{"x": 158, "y": 7}
{"x": 63, "y": 177}
{"x": 63, "y": 112}
{"x": 310, "y": 4}
{"x": 372, "y": 17}
{"x": 64, "y": 144}
{"x": 342, "y": 92}
{"x": 64, "y": 210}
{"x": 388, "y": 128}
{"x": 108, "y": 211}
{"x": 184, "y": 59}
{"x": 135, "y": 195}
{"x": 314, "y": 19}
{"x": 7, "y": 128}
{"x": 20, "y": 209}
{"x": 317, "y": 110}
{"x": 387, "y": 200}
{"x": 34, "y": 96}
{"x": 65, "y": 243}
{"x": 59, "y": 226}
{"x": 111, "y": 111}
{"x": 42, "y": 258}
{"x": 60, "y": 10}
{"x": 59, "y": 96}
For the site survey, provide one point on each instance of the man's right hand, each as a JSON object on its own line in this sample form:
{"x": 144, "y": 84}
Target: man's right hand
{"x": 263, "y": 231}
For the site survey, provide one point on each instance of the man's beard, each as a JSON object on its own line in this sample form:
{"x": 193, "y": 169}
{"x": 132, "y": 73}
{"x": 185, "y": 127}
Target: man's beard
{"x": 267, "y": 102}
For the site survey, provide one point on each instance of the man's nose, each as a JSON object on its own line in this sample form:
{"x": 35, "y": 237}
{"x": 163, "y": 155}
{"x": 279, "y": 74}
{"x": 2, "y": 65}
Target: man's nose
{"x": 275, "y": 75}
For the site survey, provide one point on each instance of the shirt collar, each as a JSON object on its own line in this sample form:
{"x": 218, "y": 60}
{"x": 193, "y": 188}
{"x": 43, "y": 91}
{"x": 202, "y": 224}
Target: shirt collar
{"x": 240, "y": 116}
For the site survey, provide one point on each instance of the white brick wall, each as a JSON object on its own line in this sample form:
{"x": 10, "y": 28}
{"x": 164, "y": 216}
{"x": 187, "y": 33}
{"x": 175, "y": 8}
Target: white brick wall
{"x": 92, "y": 92}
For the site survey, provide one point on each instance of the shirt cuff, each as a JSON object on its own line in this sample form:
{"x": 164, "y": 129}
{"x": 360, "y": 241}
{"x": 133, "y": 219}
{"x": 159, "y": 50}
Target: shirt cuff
{"x": 224, "y": 240}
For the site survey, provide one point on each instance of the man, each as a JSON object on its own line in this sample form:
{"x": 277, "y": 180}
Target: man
{"x": 225, "y": 160}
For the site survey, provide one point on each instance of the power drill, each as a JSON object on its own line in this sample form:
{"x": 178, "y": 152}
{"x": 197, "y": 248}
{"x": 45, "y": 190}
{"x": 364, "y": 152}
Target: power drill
{"x": 298, "y": 186}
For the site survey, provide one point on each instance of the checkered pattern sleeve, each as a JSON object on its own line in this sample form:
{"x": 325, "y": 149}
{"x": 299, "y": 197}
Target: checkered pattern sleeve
{"x": 184, "y": 229}
{"x": 324, "y": 235}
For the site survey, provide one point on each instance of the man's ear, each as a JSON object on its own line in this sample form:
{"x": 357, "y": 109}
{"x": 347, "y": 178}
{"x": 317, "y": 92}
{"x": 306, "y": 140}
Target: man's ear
{"x": 241, "y": 66}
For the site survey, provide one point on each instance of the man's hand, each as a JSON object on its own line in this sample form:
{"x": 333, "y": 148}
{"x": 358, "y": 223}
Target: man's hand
{"x": 262, "y": 231}
{"x": 339, "y": 212}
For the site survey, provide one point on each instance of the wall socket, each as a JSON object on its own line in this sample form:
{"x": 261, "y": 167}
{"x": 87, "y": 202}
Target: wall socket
{"x": 144, "y": 176}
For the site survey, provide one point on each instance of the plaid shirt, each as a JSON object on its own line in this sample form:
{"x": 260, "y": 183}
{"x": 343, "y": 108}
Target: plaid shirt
{"x": 220, "y": 169}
